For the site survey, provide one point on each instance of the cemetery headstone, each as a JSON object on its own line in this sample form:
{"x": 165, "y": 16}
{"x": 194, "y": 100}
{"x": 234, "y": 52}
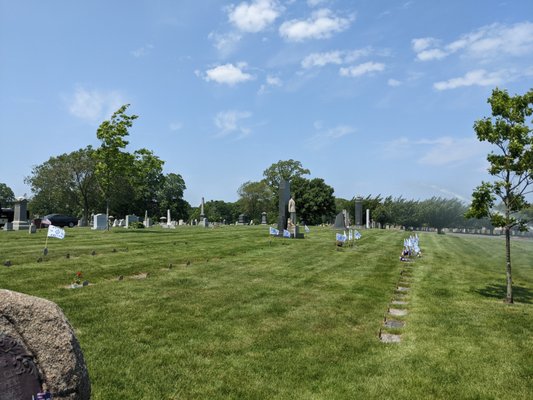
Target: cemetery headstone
{"x": 358, "y": 211}
{"x": 243, "y": 219}
{"x": 263, "y": 218}
{"x": 340, "y": 223}
{"x": 20, "y": 216}
{"x": 100, "y": 222}
{"x": 39, "y": 351}
{"x": 284, "y": 196}
{"x": 32, "y": 228}
{"x": 131, "y": 219}
{"x": 367, "y": 218}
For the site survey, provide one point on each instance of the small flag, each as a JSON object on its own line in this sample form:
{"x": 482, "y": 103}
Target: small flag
{"x": 55, "y": 232}
{"x": 350, "y": 235}
{"x": 274, "y": 231}
{"x": 340, "y": 238}
{"x": 357, "y": 235}
{"x": 286, "y": 233}
{"x": 307, "y": 230}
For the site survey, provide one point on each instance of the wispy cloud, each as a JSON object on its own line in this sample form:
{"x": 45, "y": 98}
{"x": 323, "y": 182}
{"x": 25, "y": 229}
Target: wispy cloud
{"x": 322, "y": 24}
{"x": 255, "y": 16}
{"x": 324, "y": 136}
{"x": 231, "y": 122}
{"x": 478, "y": 77}
{"x": 438, "y": 152}
{"x": 142, "y": 51}
{"x": 225, "y": 43}
{"x": 94, "y": 105}
{"x": 394, "y": 82}
{"x": 270, "y": 82}
{"x": 336, "y": 57}
{"x": 228, "y": 74}
{"x": 361, "y": 69}
{"x": 487, "y": 42}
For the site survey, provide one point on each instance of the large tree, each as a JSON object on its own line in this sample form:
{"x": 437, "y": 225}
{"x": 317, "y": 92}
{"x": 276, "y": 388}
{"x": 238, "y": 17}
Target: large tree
{"x": 147, "y": 180}
{"x": 170, "y": 197}
{"x": 511, "y": 165}
{"x": 283, "y": 170}
{"x": 7, "y": 197}
{"x": 254, "y": 198}
{"x": 113, "y": 164}
{"x": 315, "y": 202}
{"x": 65, "y": 184}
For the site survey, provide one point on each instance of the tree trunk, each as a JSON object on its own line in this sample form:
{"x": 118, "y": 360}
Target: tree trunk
{"x": 509, "y": 298}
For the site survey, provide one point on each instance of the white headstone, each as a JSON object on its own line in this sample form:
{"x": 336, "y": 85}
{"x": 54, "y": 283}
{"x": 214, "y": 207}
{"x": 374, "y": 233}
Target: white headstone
{"x": 100, "y": 222}
{"x": 130, "y": 219}
{"x": 367, "y": 218}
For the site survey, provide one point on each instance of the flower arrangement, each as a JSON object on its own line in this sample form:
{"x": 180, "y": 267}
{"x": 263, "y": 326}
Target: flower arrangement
{"x": 77, "y": 278}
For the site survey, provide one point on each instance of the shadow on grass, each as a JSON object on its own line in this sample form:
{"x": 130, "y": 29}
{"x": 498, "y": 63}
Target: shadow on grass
{"x": 520, "y": 294}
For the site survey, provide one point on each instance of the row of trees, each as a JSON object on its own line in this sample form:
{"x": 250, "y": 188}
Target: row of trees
{"x": 89, "y": 180}
{"x": 436, "y": 212}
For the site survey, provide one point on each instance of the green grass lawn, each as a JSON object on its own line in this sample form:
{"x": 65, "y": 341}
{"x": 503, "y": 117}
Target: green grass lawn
{"x": 230, "y": 313}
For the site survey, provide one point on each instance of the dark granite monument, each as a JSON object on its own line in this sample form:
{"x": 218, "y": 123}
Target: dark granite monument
{"x": 284, "y": 197}
{"x": 359, "y": 211}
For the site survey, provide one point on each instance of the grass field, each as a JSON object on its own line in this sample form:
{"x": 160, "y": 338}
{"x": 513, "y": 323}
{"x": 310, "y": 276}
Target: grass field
{"x": 229, "y": 313}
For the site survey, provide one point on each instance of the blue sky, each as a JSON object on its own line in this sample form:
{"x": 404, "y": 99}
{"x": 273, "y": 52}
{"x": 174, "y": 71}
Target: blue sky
{"x": 375, "y": 97}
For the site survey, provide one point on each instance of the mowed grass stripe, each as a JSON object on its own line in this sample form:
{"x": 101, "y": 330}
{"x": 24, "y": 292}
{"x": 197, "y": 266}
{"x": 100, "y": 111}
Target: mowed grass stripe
{"x": 255, "y": 317}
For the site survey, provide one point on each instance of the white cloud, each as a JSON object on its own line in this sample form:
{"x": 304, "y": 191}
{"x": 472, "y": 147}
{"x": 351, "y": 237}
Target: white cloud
{"x": 394, "y": 82}
{"x": 94, "y": 105}
{"x": 439, "y": 152}
{"x": 229, "y": 122}
{"x": 322, "y": 25}
{"x": 325, "y": 136}
{"x": 314, "y": 3}
{"x": 228, "y": 74}
{"x": 487, "y": 42}
{"x": 422, "y": 44}
{"x": 254, "y": 16}
{"x": 334, "y": 57}
{"x": 361, "y": 69}
{"x": 142, "y": 51}
{"x": 225, "y": 43}
{"x": 431, "y": 54}
{"x": 271, "y": 81}
{"x": 478, "y": 77}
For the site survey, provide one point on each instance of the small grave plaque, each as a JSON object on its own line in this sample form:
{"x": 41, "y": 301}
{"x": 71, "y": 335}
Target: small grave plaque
{"x": 19, "y": 376}
{"x": 392, "y": 323}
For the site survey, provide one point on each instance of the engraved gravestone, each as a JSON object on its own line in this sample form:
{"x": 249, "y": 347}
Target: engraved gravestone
{"x": 19, "y": 378}
{"x": 39, "y": 351}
